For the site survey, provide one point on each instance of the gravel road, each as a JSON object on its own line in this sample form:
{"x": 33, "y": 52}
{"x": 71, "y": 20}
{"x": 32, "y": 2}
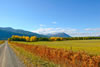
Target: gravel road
{"x": 8, "y": 58}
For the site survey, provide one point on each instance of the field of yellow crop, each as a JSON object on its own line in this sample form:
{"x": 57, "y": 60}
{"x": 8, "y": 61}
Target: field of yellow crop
{"x": 89, "y": 46}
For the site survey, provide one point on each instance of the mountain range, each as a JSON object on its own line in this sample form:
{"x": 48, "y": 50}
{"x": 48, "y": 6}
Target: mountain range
{"x": 60, "y": 34}
{"x": 7, "y": 32}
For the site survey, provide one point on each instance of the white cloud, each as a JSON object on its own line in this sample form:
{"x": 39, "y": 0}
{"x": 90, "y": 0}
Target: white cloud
{"x": 54, "y": 22}
{"x": 70, "y": 31}
{"x": 80, "y": 34}
{"x": 41, "y": 25}
{"x": 92, "y": 29}
{"x": 54, "y": 30}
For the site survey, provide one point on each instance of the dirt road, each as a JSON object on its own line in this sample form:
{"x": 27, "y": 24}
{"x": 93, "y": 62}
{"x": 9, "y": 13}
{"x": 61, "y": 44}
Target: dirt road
{"x": 8, "y": 58}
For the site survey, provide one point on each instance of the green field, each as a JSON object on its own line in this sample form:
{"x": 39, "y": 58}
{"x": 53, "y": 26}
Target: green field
{"x": 89, "y": 46}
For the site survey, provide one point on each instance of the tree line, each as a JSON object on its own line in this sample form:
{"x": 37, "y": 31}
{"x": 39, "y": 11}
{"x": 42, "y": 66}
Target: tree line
{"x": 34, "y": 38}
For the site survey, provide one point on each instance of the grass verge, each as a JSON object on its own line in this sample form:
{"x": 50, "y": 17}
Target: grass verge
{"x": 31, "y": 60}
{"x": 1, "y": 42}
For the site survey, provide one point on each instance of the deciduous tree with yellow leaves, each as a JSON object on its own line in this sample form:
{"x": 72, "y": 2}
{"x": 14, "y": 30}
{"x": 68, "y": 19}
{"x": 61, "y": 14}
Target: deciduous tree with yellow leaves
{"x": 33, "y": 38}
{"x": 56, "y": 38}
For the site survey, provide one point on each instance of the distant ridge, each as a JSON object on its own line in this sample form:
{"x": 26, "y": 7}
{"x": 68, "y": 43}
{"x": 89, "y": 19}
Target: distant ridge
{"x": 61, "y": 34}
{"x": 6, "y": 32}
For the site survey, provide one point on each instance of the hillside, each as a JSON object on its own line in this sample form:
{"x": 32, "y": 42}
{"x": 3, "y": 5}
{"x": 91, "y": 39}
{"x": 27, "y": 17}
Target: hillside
{"x": 7, "y": 32}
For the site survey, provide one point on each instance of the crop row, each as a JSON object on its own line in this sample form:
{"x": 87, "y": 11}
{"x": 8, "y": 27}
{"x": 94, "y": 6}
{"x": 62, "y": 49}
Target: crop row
{"x": 63, "y": 57}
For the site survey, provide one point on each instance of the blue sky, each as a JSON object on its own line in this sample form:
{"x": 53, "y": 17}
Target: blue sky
{"x": 43, "y": 16}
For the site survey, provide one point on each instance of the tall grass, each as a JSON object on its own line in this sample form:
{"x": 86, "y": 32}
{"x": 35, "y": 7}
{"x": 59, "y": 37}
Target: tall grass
{"x": 1, "y": 42}
{"x": 31, "y": 60}
{"x": 62, "y": 57}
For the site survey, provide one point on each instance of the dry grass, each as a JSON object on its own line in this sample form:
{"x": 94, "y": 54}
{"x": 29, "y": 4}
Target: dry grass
{"x": 30, "y": 59}
{"x": 60, "y": 56}
{"x": 1, "y": 42}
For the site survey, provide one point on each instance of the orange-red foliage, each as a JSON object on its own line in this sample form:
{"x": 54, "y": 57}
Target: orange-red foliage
{"x": 61, "y": 56}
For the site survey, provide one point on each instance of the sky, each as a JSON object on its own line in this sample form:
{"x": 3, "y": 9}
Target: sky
{"x": 74, "y": 17}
